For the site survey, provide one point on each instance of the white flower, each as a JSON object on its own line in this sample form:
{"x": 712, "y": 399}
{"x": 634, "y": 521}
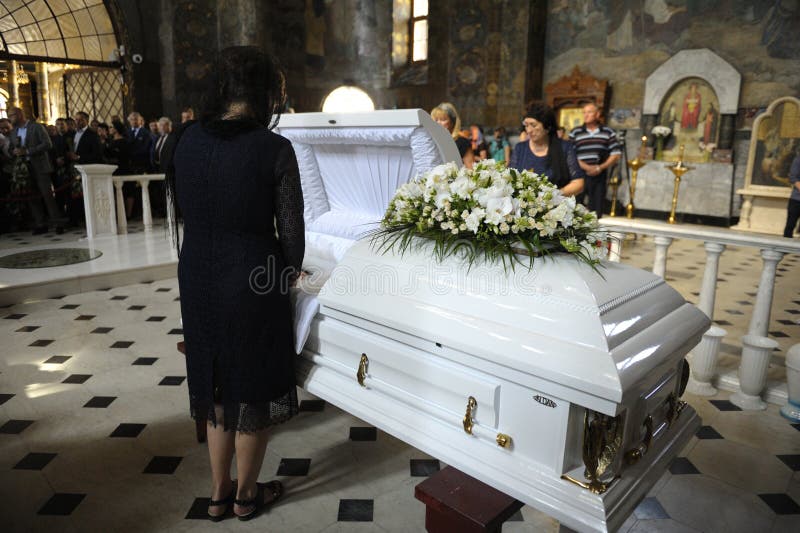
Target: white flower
{"x": 462, "y": 187}
{"x": 661, "y": 131}
{"x": 474, "y": 219}
{"x": 497, "y": 209}
{"x": 441, "y": 196}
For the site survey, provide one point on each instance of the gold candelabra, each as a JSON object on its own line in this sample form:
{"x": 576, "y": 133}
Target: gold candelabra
{"x": 614, "y": 182}
{"x": 635, "y": 165}
{"x": 679, "y": 169}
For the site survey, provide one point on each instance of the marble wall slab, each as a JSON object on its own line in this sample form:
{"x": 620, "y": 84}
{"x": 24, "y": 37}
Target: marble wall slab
{"x": 706, "y": 190}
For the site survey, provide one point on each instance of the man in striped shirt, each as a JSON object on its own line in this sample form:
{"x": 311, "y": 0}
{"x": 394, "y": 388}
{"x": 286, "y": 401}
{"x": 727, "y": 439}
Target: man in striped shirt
{"x": 597, "y": 149}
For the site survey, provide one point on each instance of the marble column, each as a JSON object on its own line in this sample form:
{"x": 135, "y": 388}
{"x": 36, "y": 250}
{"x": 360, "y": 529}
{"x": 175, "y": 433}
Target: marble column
{"x": 756, "y": 346}
{"x": 756, "y": 353}
{"x": 660, "y": 262}
{"x": 704, "y": 356}
{"x": 44, "y": 95}
{"x": 147, "y": 215}
{"x": 13, "y": 86}
{"x": 615, "y": 252}
{"x": 122, "y": 220}
{"x": 759, "y": 321}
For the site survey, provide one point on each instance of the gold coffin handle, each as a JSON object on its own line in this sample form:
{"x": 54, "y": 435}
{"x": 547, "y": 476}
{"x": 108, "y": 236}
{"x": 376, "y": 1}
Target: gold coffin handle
{"x": 363, "y": 365}
{"x": 472, "y": 403}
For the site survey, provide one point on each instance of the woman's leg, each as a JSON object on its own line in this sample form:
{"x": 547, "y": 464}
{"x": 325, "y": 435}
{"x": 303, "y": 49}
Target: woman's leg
{"x": 220, "y": 452}
{"x": 250, "y": 449}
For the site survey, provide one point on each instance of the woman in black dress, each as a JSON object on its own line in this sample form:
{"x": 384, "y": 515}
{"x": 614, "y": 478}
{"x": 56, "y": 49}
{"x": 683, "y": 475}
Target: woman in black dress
{"x": 235, "y": 181}
{"x": 117, "y": 151}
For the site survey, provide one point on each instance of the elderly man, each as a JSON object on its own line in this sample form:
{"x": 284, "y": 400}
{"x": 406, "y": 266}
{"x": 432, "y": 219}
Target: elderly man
{"x": 140, "y": 141}
{"x": 164, "y": 131}
{"x": 597, "y": 149}
{"x": 30, "y": 141}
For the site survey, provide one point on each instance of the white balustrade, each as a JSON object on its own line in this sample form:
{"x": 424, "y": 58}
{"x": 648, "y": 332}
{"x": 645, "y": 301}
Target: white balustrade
{"x": 144, "y": 181}
{"x": 792, "y": 408}
{"x": 757, "y": 347}
{"x": 704, "y": 356}
{"x": 662, "y": 243}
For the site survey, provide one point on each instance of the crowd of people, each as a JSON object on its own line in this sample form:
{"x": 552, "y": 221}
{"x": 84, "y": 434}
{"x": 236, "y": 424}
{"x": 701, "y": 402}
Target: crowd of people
{"x": 577, "y": 162}
{"x": 39, "y": 185}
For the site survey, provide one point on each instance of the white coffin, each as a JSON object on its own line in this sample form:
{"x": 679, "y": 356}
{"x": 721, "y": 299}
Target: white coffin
{"x": 405, "y": 342}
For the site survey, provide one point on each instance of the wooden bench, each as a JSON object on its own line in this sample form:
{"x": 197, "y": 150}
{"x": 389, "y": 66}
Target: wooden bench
{"x": 199, "y": 426}
{"x": 455, "y": 501}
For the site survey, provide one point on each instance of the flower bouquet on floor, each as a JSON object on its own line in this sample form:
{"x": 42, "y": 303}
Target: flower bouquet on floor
{"x": 490, "y": 211}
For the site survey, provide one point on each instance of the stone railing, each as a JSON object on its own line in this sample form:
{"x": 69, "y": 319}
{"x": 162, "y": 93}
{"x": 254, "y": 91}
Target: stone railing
{"x": 749, "y": 383}
{"x": 102, "y": 218}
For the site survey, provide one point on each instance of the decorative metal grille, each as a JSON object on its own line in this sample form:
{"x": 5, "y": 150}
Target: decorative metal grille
{"x": 97, "y": 92}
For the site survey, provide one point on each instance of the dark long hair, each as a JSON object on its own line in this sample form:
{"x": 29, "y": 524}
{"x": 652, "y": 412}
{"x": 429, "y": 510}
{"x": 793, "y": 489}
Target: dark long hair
{"x": 556, "y": 159}
{"x": 245, "y": 76}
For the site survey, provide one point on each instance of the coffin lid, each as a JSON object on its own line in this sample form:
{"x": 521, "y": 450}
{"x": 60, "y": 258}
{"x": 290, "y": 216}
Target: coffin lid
{"x": 599, "y": 333}
{"x": 352, "y": 163}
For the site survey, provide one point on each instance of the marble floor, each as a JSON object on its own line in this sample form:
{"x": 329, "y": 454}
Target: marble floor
{"x": 139, "y": 255}
{"x": 95, "y": 433}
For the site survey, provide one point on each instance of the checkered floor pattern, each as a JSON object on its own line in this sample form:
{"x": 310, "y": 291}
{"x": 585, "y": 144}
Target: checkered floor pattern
{"x": 95, "y": 433}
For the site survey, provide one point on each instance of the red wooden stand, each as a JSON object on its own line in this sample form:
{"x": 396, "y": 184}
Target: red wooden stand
{"x": 199, "y": 426}
{"x": 455, "y": 501}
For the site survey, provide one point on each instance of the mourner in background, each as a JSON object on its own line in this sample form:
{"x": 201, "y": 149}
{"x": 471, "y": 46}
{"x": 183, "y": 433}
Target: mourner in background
{"x": 499, "y": 148}
{"x": 140, "y": 141}
{"x": 187, "y": 115}
{"x": 793, "y": 209}
{"x": 7, "y": 222}
{"x": 597, "y": 149}
{"x": 238, "y": 187}
{"x": 86, "y": 145}
{"x": 446, "y": 116}
{"x": 30, "y": 143}
{"x": 464, "y": 146}
{"x": 546, "y": 154}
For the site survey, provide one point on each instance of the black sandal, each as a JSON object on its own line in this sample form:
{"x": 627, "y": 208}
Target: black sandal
{"x": 230, "y": 498}
{"x": 275, "y": 488}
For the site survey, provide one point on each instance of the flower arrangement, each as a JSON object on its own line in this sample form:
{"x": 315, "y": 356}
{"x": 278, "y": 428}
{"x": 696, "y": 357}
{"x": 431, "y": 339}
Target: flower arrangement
{"x": 490, "y": 211}
{"x": 707, "y": 149}
{"x": 661, "y": 133}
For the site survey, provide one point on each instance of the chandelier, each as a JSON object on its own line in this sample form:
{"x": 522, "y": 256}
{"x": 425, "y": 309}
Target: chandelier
{"x": 22, "y": 76}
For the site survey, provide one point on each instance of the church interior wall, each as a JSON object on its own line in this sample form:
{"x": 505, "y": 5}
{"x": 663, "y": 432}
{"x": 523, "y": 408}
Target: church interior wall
{"x": 481, "y": 55}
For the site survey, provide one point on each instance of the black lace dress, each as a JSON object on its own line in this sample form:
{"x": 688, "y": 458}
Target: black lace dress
{"x": 234, "y": 185}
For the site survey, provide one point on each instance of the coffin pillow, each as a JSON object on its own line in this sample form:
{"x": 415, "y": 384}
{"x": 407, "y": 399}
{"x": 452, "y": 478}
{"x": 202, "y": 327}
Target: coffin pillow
{"x": 347, "y": 224}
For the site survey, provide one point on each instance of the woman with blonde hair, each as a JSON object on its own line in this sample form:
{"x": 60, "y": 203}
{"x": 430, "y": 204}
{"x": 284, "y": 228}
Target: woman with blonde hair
{"x": 445, "y": 115}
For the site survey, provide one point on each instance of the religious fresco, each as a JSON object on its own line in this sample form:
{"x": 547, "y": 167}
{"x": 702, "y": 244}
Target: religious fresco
{"x": 624, "y": 41}
{"x": 691, "y": 111}
{"x": 777, "y": 141}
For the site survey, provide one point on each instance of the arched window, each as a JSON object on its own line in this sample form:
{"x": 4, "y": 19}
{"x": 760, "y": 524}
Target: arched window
{"x": 347, "y": 99}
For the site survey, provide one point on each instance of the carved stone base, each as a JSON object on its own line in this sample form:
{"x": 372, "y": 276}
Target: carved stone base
{"x": 763, "y": 214}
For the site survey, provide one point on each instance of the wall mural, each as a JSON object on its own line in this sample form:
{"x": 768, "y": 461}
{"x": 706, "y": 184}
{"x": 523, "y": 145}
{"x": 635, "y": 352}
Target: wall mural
{"x": 625, "y": 40}
{"x": 691, "y": 111}
{"x": 777, "y": 143}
